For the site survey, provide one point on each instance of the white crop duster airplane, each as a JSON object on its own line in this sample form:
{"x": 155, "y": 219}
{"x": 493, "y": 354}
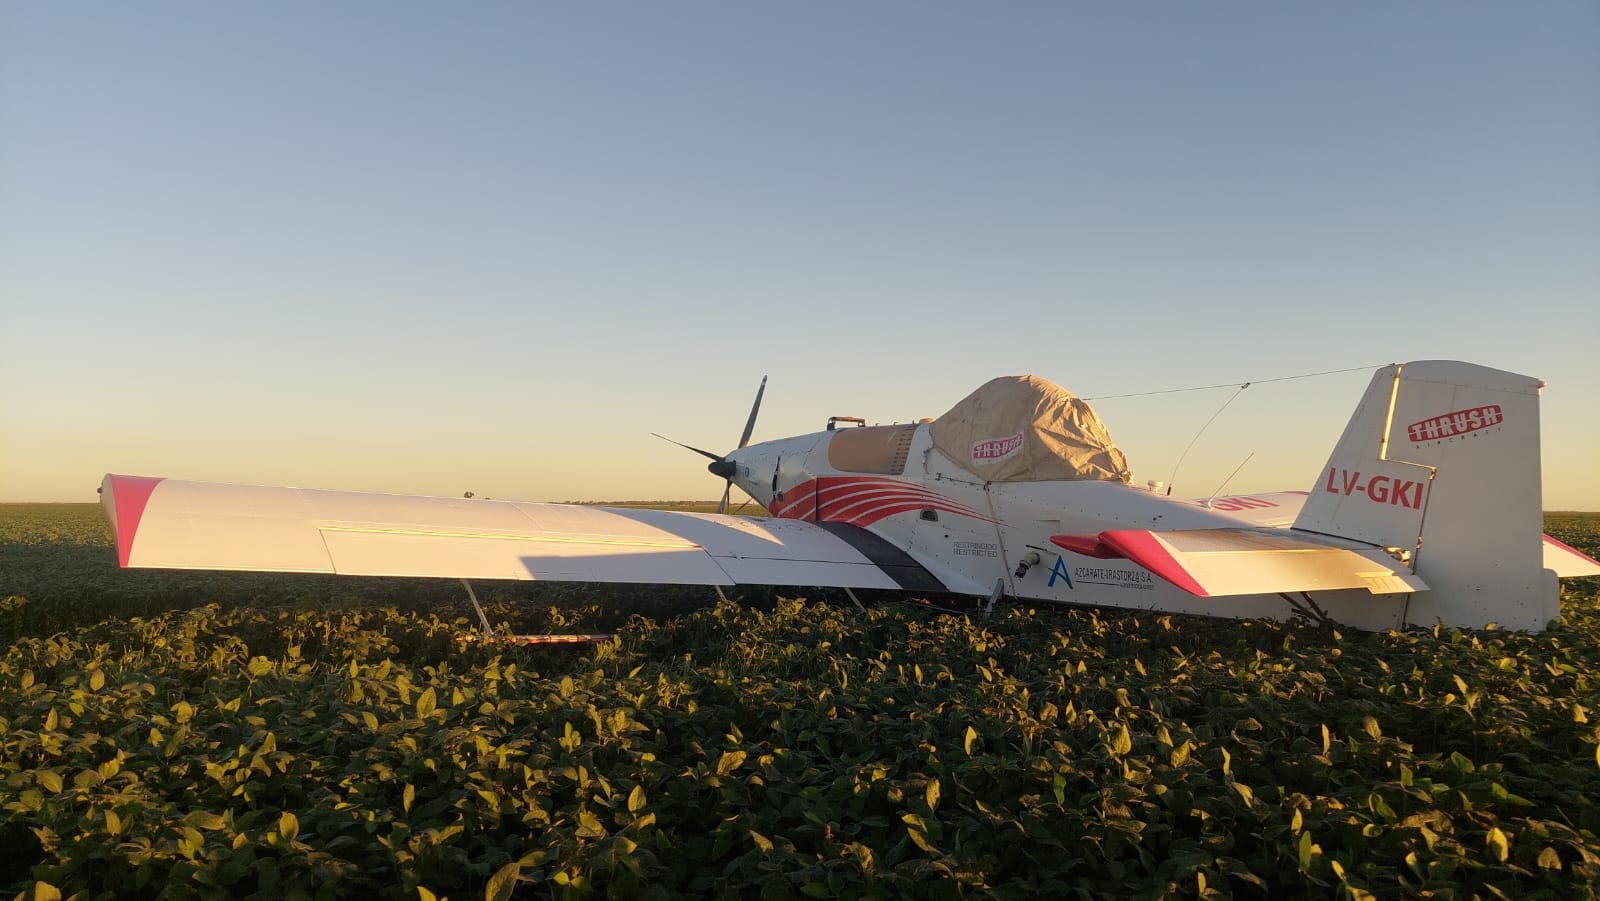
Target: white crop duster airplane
{"x": 1427, "y": 510}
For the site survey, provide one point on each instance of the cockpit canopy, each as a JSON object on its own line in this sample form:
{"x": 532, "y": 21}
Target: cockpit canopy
{"x": 1024, "y": 428}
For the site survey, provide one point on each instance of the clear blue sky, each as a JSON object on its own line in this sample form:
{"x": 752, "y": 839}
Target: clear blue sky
{"x": 425, "y": 248}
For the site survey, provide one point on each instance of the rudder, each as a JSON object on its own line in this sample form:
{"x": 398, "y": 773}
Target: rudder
{"x": 1441, "y": 461}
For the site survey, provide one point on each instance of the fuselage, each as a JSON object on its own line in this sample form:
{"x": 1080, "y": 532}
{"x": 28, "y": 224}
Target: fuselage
{"x": 977, "y": 537}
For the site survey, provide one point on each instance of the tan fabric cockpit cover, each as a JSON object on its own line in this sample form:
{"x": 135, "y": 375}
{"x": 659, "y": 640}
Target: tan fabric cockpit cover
{"x": 1024, "y": 428}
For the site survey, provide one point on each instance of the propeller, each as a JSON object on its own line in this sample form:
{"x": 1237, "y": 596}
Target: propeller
{"x": 721, "y": 465}
{"x": 750, "y": 424}
{"x": 704, "y": 453}
{"x": 727, "y": 469}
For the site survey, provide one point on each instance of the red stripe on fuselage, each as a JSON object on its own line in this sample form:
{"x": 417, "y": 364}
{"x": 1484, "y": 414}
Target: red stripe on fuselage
{"x": 864, "y": 511}
{"x": 844, "y": 506}
{"x": 838, "y": 498}
{"x": 862, "y": 501}
{"x": 831, "y": 489}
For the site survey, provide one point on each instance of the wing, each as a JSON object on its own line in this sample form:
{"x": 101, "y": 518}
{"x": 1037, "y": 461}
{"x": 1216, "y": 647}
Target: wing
{"x": 1225, "y": 562}
{"x": 173, "y": 524}
{"x": 1568, "y": 562}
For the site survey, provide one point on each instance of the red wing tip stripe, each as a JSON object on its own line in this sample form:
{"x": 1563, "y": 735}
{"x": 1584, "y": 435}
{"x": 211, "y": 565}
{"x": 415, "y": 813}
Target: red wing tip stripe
{"x": 1570, "y": 549}
{"x": 1146, "y": 549}
{"x": 129, "y": 495}
{"x": 1087, "y": 545}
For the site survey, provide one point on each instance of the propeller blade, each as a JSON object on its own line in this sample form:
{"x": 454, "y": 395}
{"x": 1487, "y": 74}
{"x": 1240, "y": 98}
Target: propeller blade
{"x": 750, "y": 424}
{"x": 721, "y": 465}
{"x": 704, "y": 453}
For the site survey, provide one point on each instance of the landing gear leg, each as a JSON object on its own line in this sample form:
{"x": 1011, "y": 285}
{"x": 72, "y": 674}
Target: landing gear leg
{"x": 855, "y": 600}
{"x": 995, "y": 595}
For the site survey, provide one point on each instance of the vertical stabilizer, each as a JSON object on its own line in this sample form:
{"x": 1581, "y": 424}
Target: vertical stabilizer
{"x": 1441, "y": 460}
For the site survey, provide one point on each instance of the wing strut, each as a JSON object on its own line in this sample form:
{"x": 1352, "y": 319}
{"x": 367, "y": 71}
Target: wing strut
{"x": 488, "y": 631}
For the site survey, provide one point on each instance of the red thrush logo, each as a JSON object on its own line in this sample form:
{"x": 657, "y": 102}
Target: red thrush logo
{"x": 1455, "y": 425}
{"x": 997, "y": 448}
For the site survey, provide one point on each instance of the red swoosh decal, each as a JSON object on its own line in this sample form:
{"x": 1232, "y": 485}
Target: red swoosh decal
{"x": 819, "y": 492}
{"x": 862, "y": 501}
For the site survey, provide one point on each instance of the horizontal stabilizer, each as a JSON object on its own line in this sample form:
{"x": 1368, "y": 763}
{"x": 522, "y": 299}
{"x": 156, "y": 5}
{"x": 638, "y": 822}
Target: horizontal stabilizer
{"x": 1568, "y": 562}
{"x": 1228, "y": 562}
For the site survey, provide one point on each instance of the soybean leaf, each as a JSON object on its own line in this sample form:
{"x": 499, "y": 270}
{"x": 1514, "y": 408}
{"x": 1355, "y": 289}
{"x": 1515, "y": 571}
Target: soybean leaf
{"x": 1498, "y": 844}
{"x": 730, "y": 761}
{"x": 502, "y": 883}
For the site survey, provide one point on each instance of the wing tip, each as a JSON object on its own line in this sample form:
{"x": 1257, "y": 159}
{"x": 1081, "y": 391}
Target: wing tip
{"x": 124, "y": 499}
{"x": 1145, "y": 549}
{"x": 1085, "y": 545}
{"x": 1138, "y": 546}
{"x": 1583, "y": 558}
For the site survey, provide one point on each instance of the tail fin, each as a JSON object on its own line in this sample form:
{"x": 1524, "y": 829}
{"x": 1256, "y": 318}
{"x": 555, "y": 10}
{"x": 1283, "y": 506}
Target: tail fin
{"x": 1441, "y": 459}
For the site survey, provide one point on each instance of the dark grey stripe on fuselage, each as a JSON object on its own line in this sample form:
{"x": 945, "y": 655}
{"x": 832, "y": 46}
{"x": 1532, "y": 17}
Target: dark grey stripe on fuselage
{"x": 896, "y": 563}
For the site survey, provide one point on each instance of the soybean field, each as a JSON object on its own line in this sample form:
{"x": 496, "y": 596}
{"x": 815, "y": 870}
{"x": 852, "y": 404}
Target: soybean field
{"x": 216, "y": 735}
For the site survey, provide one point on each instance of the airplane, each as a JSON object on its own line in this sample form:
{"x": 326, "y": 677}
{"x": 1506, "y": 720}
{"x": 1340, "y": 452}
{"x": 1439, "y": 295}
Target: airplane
{"x": 1427, "y": 511}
